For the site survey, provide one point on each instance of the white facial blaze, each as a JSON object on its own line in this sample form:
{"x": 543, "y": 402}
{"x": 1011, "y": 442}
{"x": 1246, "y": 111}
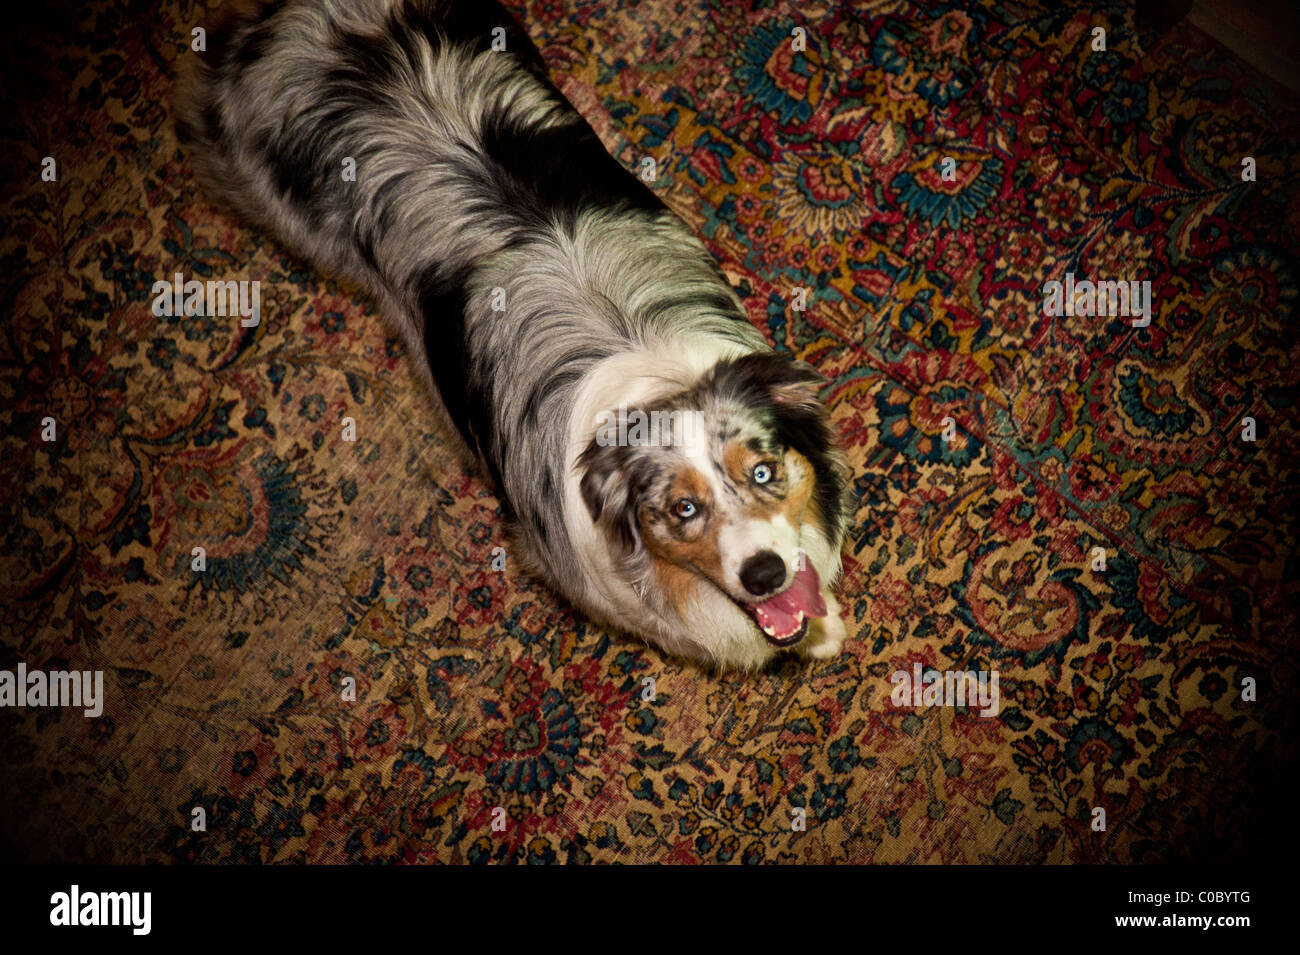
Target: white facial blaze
{"x": 744, "y": 537}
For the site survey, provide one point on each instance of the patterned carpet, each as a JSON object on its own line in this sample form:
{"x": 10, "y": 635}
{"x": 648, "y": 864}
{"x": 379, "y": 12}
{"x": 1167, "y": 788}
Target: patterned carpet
{"x": 476, "y": 689}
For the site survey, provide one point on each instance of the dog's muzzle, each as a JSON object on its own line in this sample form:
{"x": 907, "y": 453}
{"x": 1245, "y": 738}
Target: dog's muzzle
{"x": 784, "y": 617}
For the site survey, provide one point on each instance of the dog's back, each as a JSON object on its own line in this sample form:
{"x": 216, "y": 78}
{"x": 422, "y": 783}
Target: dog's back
{"x": 322, "y": 121}
{"x": 389, "y": 142}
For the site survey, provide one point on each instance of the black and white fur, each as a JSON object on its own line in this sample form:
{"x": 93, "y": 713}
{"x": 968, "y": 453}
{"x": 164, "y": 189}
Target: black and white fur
{"x": 473, "y": 174}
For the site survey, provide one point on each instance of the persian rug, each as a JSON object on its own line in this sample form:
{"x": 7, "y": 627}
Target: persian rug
{"x": 1074, "y": 501}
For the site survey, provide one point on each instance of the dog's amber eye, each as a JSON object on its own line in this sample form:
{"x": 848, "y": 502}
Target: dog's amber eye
{"x": 684, "y": 509}
{"x": 763, "y": 473}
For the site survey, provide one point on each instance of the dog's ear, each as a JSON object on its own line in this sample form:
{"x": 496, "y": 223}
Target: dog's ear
{"x": 785, "y": 383}
{"x": 797, "y": 386}
{"x": 607, "y": 490}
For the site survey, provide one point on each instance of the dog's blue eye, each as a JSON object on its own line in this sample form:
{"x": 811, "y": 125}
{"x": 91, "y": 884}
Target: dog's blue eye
{"x": 684, "y": 509}
{"x": 762, "y": 474}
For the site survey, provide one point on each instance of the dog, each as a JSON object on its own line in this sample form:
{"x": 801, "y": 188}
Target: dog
{"x": 553, "y": 295}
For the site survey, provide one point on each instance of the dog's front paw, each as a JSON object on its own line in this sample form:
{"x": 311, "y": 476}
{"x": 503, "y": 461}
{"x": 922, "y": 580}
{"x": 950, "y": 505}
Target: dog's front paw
{"x": 825, "y": 634}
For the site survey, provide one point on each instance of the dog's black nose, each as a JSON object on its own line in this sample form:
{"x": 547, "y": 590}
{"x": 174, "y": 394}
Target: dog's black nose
{"x": 762, "y": 573}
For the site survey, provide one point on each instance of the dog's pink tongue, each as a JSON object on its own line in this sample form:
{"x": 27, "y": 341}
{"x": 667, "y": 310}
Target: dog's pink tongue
{"x": 783, "y": 615}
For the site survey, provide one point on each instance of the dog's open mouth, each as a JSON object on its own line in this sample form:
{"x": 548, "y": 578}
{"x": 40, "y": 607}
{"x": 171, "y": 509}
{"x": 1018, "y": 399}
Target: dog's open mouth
{"x": 784, "y": 618}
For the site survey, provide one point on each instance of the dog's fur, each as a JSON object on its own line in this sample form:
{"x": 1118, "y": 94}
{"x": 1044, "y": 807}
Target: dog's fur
{"x": 472, "y": 175}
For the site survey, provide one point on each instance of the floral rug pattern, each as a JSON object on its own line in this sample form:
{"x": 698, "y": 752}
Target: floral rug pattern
{"x": 921, "y": 170}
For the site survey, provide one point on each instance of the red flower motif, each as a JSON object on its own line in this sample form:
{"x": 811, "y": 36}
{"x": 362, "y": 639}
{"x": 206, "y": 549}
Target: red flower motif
{"x": 749, "y": 168}
{"x": 479, "y": 599}
{"x": 917, "y": 511}
{"x": 826, "y": 182}
{"x": 890, "y": 596}
{"x": 1010, "y": 521}
{"x": 1091, "y": 482}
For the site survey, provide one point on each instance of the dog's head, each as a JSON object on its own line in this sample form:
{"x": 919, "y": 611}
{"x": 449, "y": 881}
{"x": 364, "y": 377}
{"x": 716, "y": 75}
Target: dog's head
{"x": 736, "y": 484}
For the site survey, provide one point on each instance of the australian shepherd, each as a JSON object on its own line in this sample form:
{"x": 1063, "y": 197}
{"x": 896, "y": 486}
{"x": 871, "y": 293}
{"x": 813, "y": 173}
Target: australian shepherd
{"x": 662, "y": 467}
